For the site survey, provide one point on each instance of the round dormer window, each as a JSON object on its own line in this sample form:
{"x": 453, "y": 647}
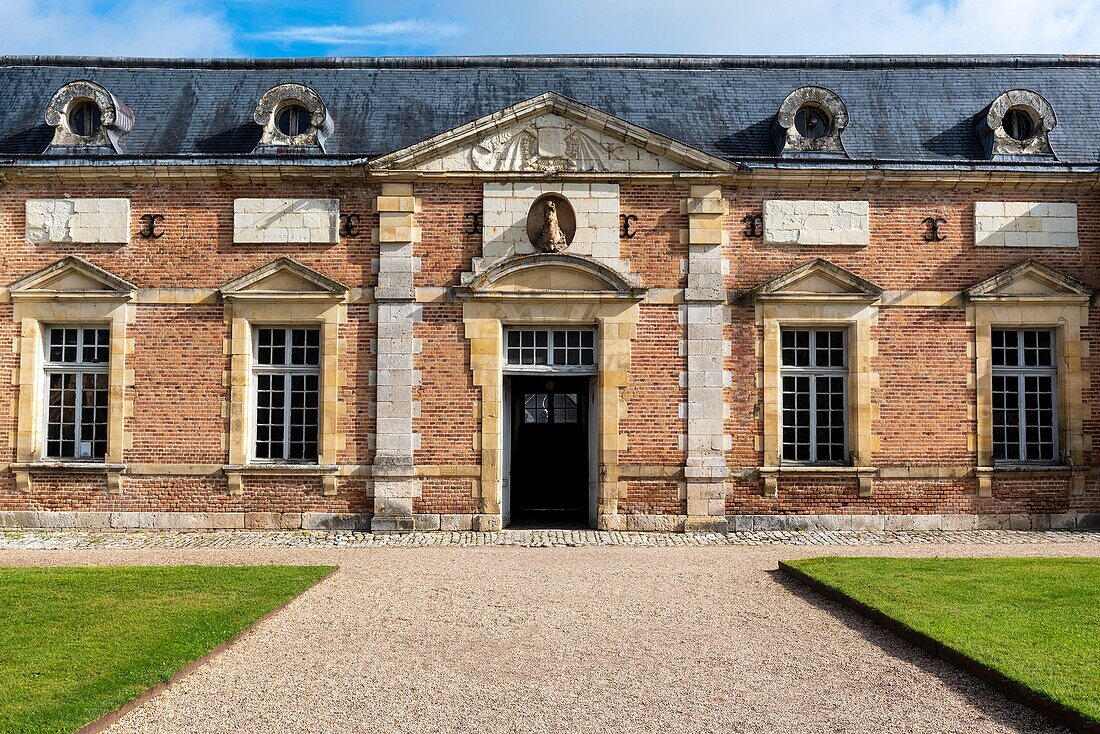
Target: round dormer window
{"x": 85, "y": 118}
{"x": 293, "y": 120}
{"x": 812, "y": 122}
{"x": 1019, "y": 124}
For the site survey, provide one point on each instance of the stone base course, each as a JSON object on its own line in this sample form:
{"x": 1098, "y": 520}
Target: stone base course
{"x": 429, "y": 522}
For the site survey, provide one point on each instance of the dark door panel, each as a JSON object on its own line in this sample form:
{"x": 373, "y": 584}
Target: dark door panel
{"x": 549, "y": 449}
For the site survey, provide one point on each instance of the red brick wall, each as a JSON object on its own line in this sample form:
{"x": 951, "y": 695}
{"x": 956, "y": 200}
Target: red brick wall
{"x": 179, "y": 395}
{"x": 448, "y": 424}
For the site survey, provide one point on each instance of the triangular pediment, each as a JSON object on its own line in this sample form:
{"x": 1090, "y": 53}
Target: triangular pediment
{"x": 817, "y": 278}
{"x": 284, "y": 277}
{"x": 548, "y": 274}
{"x": 1030, "y": 279}
{"x": 551, "y": 134}
{"x": 75, "y": 276}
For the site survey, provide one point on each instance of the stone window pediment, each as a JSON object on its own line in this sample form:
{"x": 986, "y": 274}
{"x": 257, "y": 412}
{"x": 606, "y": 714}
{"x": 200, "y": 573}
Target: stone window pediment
{"x": 284, "y": 278}
{"x": 74, "y": 277}
{"x": 87, "y": 117}
{"x": 552, "y": 275}
{"x": 817, "y": 279}
{"x": 1030, "y": 281}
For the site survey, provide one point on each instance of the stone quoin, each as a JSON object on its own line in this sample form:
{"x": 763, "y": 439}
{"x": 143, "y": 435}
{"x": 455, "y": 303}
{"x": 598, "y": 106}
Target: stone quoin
{"x": 698, "y": 294}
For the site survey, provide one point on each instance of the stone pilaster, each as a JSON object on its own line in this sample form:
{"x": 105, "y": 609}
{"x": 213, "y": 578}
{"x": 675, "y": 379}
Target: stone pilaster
{"x": 703, "y": 316}
{"x": 395, "y": 485}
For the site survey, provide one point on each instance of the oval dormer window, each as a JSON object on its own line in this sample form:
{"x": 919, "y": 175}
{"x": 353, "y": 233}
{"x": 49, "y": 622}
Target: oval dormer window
{"x": 293, "y": 120}
{"x": 85, "y": 118}
{"x": 812, "y": 122}
{"x": 1018, "y": 124}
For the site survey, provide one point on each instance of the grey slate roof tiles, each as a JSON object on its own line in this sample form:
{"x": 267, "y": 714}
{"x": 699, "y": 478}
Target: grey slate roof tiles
{"x": 902, "y": 109}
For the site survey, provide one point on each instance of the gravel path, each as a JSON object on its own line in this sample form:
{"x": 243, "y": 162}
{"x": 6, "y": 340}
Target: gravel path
{"x": 614, "y": 639}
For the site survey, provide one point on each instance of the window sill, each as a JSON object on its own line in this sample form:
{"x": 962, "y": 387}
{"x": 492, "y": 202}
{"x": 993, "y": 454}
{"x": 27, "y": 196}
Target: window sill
{"x": 281, "y": 469}
{"x": 1029, "y": 468}
{"x": 68, "y": 466}
{"x": 830, "y": 469}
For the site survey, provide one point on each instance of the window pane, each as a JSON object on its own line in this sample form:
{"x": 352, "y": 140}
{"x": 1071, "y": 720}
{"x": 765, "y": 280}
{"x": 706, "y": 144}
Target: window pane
{"x": 97, "y": 343}
{"x": 565, "y": 408}
{"x": 61, "y": 416}
{"x": 1006, "y": 418}
{"x": 830, "y": 418}
{"x": 271, "y": 346}
{"x": 93, "y": 417}
{"x": 535, "y": 408}
{"x": 305, "y": 346}
{"x": 304, "y": 417}
{"x": 270, "y": 416}
{"x": 796, "y": 418}
{"x": 1039, "y": 417}
{"x": 795, "y": 348}
{"x": 1006, "y": 347}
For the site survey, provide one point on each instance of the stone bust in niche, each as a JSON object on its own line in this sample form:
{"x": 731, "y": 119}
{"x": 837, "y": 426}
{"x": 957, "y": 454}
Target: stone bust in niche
{"x": 551, "y": 223}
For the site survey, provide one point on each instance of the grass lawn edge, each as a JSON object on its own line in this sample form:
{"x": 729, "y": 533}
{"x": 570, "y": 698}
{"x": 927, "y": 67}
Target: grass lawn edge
{"x": 104, "y": 721}
{"x": 1054, "y": 710}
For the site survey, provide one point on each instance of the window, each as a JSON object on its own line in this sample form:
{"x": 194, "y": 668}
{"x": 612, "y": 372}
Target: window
{"x": 537, "y": 408}
{"x": 77, "y": 380}
{"x": 814, "y": 376}
{"x": 1024, "y": 399}
{"x": 1018, "y": 124}
{"x": 293, "y": 120}
{"x": 287, "y": 378}
{"x": 84, "y": 119}
{"x": 552, "y": 348}
{"x": 812, "y": 122}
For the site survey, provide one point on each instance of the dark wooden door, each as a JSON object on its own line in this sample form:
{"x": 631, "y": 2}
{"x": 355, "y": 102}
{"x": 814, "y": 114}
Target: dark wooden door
{"x": 549, "y": 450}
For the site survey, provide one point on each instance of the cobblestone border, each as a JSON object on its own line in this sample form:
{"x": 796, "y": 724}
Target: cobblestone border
{"x": 130, "y": 540}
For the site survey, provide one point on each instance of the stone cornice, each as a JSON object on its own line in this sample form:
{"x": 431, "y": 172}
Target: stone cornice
{"x": 1067, "y": 178}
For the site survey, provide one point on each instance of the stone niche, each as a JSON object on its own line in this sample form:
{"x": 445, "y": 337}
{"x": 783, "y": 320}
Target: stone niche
{"x": 509, "y": 206}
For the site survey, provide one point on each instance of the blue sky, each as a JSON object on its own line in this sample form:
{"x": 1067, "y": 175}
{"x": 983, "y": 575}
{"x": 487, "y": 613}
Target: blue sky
{"x": 418, "y": 27}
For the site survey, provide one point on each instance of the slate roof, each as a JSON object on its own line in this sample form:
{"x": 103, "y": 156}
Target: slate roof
{"x": 909, "y": 111}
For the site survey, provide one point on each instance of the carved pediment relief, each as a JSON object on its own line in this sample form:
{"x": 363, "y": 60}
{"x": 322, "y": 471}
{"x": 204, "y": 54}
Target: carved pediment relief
{"x": 72, "y": 276}
{"x": 284, "y": 277}
{"x": 1030, "y": 280}
{"x": 552, "y": 275}
{"x": 551, "y": 134}
{"x": 816, "y": 279}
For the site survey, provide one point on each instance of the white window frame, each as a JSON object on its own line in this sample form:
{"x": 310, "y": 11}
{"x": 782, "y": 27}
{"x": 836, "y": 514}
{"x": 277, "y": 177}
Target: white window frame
{"x": 1021, "y": 372}
{"x": 79, "y": 368}
{"x": 813, "y": 372}
{"x": 258, "y": 369}
{"x": 551, "y": 331}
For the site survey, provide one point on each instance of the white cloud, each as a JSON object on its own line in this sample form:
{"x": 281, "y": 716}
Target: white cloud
{"x": 220, "y": 27}
{"x": 798, "y": 27}
{"x": 129, "y": 28}
{"x": 396, "y": 32}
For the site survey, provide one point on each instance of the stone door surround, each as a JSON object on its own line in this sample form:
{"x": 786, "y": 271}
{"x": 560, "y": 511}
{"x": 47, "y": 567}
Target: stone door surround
{"x": 593, "y": 295}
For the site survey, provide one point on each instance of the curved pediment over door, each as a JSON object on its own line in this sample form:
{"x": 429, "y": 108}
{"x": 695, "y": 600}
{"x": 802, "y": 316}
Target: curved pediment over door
{"x": 553, "y": 276}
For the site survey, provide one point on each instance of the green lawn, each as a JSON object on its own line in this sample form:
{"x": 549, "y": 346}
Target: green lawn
{"x": 1037, "y": 621}
{"x": 76, "y": 643}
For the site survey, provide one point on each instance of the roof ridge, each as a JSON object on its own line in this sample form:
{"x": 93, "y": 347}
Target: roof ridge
{"x": 625, "y": 61}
